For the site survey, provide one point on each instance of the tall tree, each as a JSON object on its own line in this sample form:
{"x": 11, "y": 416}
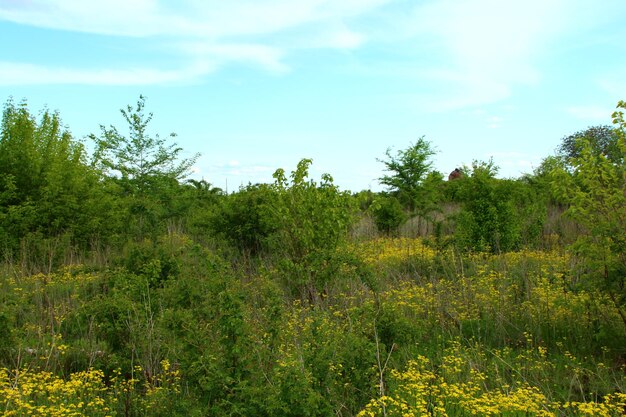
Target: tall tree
{"x": 599, "y": 139}
{"x": 139, "y": 161}
{"x": 407, "y": 170}
{"x": 313, "y": 222}
{"x": 596, "y": 194}
{"x": 146, "y": 168}
{"x": 47, "y": 189}
{"x": 410, "y": 177}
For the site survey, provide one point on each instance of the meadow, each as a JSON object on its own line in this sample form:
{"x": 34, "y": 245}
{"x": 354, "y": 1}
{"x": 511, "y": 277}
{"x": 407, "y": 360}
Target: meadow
{"x": 127, "y": 289}
{"x": 439, "y": 333}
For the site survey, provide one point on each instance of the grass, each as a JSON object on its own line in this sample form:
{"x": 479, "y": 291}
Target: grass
{"x": 438, "y": 334}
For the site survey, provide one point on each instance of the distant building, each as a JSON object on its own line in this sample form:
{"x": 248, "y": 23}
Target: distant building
{"x": 455, "y": 175}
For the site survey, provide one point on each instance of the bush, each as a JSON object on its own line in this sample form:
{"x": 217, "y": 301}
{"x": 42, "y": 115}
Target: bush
{"x": 488, "y": 220}
{"x": 245, "y": 219}
{"x": 388, "y": 214}
{"x": 313, "y": 223}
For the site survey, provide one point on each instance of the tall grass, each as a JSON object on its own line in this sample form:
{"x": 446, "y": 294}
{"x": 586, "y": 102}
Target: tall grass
{"x": 175, "y": 330}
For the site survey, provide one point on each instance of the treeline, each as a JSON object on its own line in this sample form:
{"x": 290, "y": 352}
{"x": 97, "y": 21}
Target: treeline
{"x": 61, "y": 205}
{"x": 59, "y": 202}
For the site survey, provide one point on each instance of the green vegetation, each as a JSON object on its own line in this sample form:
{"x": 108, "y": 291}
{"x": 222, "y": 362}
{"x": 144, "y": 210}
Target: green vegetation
{"x": 127, "y": 289}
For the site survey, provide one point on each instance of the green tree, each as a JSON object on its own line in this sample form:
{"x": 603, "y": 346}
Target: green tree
{"x": 139, "y": 160}
{"x": 596, "y": 193}
{"x": 145, "y": 169}
{"x": 413, "y": 182}
{"x": 488, "y": 220}
{"x": 49, "y": 195}
{"x": 408, "y": 170}
{"x": 601, "y": 140}
{"x": 246, "y": 218}
{"x": 388, "y": 214}
{"x": 313, "y": 222}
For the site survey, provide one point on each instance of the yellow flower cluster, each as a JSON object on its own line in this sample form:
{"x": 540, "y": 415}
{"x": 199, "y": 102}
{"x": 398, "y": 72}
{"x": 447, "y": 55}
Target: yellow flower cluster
{"x": 611, "y": 406}
{"x": 24, "y": 392}
{"x": 386, "y": 250}
{"x": 70, "y": 274}
{"x": 420, "y": 391}
{"x": 27, "y": 393}
{"x": 526, "y": 286}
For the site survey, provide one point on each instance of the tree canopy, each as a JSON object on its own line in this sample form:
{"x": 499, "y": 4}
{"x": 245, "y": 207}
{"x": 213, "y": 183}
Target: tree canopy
{"x": 601, "y": 139}
{"x": 139, "y": 159}
{"x": 596, "y": 195}
{"x": 408, "y": 170}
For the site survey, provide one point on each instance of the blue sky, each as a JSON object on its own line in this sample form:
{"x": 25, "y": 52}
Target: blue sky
{"x": 255, "y": 85}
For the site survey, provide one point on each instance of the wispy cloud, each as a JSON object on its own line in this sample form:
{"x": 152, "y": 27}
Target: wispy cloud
{"x": 515, "y": 162}
{"x": 236, "y": 168}
{"x": 114, "y": 17}
{"x": 205, "y": 18}
{"x": 591, "y": 113}
{"x": 470, "y": 52}
{"x": 206, "y": 34}
{"x": 494, "y": 122}
{"x": 266, "y": 57}
{"x": 488, "y": 47}
{"x": 28, "y": 74}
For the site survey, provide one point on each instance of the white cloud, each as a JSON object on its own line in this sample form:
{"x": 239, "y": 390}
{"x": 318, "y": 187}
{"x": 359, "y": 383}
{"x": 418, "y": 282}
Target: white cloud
{"x": 209, "y": 33}
{"x": 236, "y": 173}
{"x": 514, "y": 163}
{"x": 27, "y": 74}
{"x": 338, "y": 37}
{"x": 489, "y": 46}
{"x": 267, "y": 57}
{"x": 111, "y": 17}
{"x": 591, "y": 113}
{"x": 494, "y": 122}
{"x": 196, "y": 18}
{"x": 476, "y": 52}
{"x": 237, "y": 168}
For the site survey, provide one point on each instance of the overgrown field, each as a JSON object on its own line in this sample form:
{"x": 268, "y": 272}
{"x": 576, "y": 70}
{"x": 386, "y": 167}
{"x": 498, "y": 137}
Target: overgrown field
{"x": 431, "y": 332}
{"x": 127, "y": 289}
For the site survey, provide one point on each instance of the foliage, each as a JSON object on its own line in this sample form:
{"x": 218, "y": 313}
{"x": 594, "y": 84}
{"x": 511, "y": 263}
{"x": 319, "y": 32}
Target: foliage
{"x": 138, "y": 160}
{"x": 487, "y": 220}
{"x": 312, "y": 227}
{"x": 596, "y": 193}
{"x": 303, "y": 321}
{"x": 601, "y": 140}
{"x": 87, "y": 393}
{"x": 499, "y": 214}
{"x": 145, "y": 169}
{"x": 541, "y": 180}
{"x": 207, "y": 341}
{"x": 408, "y": 170}
{"x": 421, "y": 390}
{"x": 388, "y": 214}
{"x": 48, "y": 195}
{"x": 246, "y": 218}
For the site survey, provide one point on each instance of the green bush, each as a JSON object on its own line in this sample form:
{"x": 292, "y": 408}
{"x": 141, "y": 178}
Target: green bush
{"x": 388, "y": 214}
{"x": 246, "y": 219}
{"x": 312, "y": 229}
{"x": 500, "y": 215}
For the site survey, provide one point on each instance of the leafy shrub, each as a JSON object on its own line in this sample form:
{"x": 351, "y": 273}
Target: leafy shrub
{"x": 388, "y": 214}
{"x": 246, "y": 219}
{"x": 488, "y": 219}
{"x": 313, "y": 223}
